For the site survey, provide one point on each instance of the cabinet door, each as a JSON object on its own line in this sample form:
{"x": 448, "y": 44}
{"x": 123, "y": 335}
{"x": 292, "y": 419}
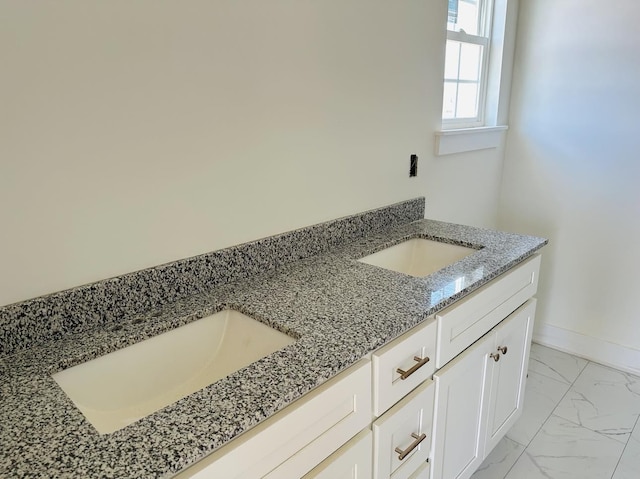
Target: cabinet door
{"x": 461, "y": 412}
{"x": 506, "y": 396}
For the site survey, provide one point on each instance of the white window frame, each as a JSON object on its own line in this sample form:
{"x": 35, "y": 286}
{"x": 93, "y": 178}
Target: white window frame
{"x": 485, "y": 29}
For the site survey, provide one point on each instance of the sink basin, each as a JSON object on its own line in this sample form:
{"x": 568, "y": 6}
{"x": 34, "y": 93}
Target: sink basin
{"x": 119, "y": 388}
{"x": 418, "y": 257}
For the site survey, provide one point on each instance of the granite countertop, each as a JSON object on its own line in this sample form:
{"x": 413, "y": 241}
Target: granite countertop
{"x": 338, "y": 310}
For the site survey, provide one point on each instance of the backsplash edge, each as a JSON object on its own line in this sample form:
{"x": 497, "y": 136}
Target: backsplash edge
{"x": 28, "y": 323}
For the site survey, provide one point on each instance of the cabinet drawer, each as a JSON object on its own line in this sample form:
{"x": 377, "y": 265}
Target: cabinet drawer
{"x": 296, "y": 439}
{"x": 415, "y": 349}
{"x": 351, "y": 461}
{"x": 471, "y": 317}
{"x": 404, "y": 431}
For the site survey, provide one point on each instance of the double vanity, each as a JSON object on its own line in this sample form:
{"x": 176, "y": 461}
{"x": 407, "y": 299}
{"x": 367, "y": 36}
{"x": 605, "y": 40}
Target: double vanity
{"x": 378, "y": 345}
{"x": 431, "y": 404}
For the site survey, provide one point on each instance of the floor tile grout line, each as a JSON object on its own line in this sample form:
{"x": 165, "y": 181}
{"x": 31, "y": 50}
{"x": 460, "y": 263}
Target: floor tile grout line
{"x": 517, "y": 442}
{"x": 589, "y": 429}
{"x": 625, "y": 447}
{"x": 517, "y": 459}
{"x": 563, "y": 380}
{"x": 525, "y": 448}
{"x": 547, "y": 418}
{"x": 554, "y": 407}
{"x": 582, "y": 425}
{"x": 562, "y": 399}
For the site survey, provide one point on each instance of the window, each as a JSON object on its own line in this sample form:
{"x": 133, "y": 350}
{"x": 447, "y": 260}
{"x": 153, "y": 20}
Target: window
{"x": 466, "y": 63}
{"x": 478, "y": 62}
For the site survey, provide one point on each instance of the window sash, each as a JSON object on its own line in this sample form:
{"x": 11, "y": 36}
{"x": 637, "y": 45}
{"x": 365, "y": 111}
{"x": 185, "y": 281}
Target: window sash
{"x": 484, "y": 41}
{"x": 464, "y": 37}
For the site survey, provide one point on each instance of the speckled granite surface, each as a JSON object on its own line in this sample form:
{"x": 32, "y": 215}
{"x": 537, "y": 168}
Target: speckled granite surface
{"x": 338, "y": 308}
{"x": 35, "y": 321}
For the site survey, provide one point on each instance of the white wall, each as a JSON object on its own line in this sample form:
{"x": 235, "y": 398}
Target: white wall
{"x": 136, "y": 133}
{"x": 572, "y": 170}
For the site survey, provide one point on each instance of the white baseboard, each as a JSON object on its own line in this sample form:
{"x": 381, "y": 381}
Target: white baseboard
{"x": 594, "y": 349}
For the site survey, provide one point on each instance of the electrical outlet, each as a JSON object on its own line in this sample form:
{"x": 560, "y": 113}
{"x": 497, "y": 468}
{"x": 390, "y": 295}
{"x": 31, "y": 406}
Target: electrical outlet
{"x": 413, "y": 165}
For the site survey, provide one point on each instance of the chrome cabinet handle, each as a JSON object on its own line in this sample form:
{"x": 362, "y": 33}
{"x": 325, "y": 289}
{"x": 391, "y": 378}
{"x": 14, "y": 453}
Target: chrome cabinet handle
{"x": 420, "y": 362}
{"x": 503, "y": 350}
{"x": 495, "y": 356}
{"x": 418, "y": 439}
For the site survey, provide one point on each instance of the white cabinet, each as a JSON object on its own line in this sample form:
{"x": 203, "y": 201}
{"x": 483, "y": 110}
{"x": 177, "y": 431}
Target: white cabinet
{"x": 511, "y": 349}
{"x": 440, "y": 429}
{"x": 479, "y": 395}
{"x": 402, "y": 365}
{"x": 461, "y": 412}
{"x": 295, "y": 440}
{"x": 351, "y": 461}
{"x": 461, "y": 324}
{"x": 402, "y": 436}
{"x": 423, "y": 472}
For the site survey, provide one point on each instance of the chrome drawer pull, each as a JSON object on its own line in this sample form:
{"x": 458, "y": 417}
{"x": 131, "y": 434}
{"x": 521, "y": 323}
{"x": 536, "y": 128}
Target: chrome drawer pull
{"x": 414, "y": 444}
{"x": 495, "y": 356}
{"x": 503, "y": 350}
{"x": 420, "y": 362}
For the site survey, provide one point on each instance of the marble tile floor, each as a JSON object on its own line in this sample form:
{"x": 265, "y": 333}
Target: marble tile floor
{"x": 580, "y": 421}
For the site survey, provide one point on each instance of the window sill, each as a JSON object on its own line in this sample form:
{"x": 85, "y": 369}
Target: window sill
{"x": 468, "y": 139}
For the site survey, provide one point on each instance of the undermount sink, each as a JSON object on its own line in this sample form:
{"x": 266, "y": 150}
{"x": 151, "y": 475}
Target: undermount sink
{"x": 418, "y": 257}
{"x": 119, "y": 388}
